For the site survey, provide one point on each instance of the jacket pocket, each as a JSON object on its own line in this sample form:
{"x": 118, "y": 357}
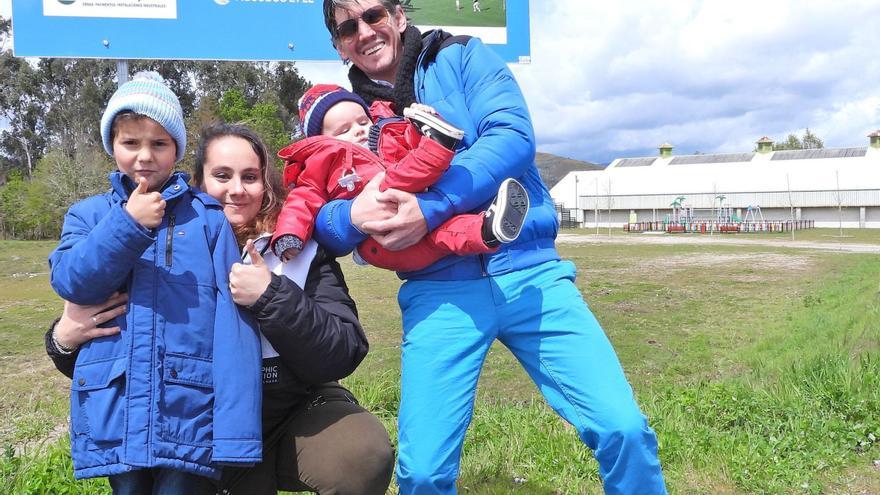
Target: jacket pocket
{"x": 97, "y": 402}
{"x": 186, "y": 407}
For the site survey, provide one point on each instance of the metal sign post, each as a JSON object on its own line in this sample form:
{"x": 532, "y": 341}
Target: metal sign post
{"x": 121, "y": 72}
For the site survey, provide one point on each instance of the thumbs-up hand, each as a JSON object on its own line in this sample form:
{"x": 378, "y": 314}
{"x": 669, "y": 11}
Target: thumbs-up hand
{"x": 147, "y": 208}
{"x": 254, "y": 255}
{"x": 248, "y": 282}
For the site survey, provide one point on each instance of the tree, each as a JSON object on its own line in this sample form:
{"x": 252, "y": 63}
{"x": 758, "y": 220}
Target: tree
{"x": 23, "y": 141}
{"x": 277, "y": 84}
{"x": 51, "y": 153}
{"x": 206, "y": 113}
{"x": 811, "y": 141}
{"x": 290, "y": 87}
{"x": 261, "y": 117}
{"x": 73, "y": 94}
{"x": 808, "y": 142}
{"x": 33, "y": 209}
{"x": 12, "y": 199}
{"x": 70, "y": 179}
{"x": 5, "y": 30}
{"x": 24, "y": 212}
{"x": 254, "y": 80}
{"x": 57, "y": 103}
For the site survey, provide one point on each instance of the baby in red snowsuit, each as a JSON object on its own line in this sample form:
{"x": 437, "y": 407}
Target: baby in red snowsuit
{"x": 334, "y": 162}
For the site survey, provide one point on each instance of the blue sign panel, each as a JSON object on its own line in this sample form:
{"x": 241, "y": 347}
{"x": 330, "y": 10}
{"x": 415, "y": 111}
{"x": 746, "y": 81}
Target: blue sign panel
{"x": 236, "y": 29}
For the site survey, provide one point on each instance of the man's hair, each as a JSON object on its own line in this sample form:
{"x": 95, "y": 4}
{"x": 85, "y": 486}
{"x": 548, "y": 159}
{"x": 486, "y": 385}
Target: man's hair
{"x": 330, "y": 7}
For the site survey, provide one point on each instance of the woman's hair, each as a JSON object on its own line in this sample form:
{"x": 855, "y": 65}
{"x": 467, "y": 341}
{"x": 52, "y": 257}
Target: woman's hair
{"x": 273, "y": 190}
{"x": 330, "y": 7}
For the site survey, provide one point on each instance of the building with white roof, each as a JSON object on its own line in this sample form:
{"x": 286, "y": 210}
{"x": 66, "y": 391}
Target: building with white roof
{"x": 832, "y": 187}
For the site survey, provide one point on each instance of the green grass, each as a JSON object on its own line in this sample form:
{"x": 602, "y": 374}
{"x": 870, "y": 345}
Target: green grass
{"x": 759, "y": 368}
{"x": 703, "y": 332}
{"x": 47, "y": 472}
{"x": 443, "y": 13}
{"x": 32, "y": 397}
{"x": 807, "y": 406}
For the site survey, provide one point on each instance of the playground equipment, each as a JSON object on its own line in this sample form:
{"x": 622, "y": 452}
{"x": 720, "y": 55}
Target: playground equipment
{"x": 677, "y": 209}
{"x": 706, "y": 226}
{"x": 753, "y": 212}
{"x": 722, "y": 219}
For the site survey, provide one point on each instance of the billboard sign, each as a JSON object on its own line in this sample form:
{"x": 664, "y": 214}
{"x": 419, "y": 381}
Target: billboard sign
{"x": 236, "y": 29}
{"x": 163, "y": 9}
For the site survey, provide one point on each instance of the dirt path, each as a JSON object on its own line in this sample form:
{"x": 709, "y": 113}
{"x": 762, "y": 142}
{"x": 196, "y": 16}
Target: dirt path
{"x": 568, "y": 238}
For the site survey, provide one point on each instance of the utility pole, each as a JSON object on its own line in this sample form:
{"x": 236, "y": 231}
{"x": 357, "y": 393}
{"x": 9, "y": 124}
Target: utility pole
{"x": 609, "y": 206}
{"x": 714, "y": 199}
{"x": 790, "y": 204}
{"x": 596, "y": 210}
{"x": 839, "y": 209}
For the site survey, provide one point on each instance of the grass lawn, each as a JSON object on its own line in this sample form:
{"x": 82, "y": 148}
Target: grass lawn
{"x": 443, "y": 13}
{"x": 758, "y": 366}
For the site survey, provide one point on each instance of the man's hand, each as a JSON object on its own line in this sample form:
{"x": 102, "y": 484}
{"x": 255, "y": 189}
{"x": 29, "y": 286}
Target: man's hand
{"x": 402, "y": 230}
{"x": 367, "y": 208}
{"x": 147, "y": 208}
{"x": 248, "y": 282}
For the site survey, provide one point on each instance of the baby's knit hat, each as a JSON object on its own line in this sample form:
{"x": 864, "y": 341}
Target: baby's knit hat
{"x": 317, "y": 100}
{"x": 146, "y": 94}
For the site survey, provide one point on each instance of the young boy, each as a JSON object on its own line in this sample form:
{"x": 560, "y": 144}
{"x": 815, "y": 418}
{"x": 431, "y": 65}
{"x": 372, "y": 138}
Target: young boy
{"x": 158, "y": 406}
{"x": 334, "y": 163}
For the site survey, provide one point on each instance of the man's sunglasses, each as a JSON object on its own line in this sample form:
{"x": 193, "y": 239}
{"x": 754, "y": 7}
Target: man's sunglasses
{"x": 373, "y": 17}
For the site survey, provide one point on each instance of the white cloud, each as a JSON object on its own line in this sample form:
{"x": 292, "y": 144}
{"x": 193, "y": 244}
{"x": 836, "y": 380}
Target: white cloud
{"x": 324, "y": 72}
{"x": 610, "y": 80}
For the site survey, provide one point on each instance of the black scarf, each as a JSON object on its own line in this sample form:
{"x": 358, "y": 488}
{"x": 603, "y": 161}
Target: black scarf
{"x": 402, "y": 94}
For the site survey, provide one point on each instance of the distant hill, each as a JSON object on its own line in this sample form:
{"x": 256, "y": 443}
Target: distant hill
{"x": 553, "y": 168}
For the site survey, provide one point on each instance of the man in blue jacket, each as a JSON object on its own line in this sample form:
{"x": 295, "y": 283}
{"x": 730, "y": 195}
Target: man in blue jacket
{"x": 522, "y": 295}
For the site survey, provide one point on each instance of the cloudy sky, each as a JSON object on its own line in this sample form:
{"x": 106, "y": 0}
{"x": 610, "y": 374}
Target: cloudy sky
{"x": 615, "y": 79}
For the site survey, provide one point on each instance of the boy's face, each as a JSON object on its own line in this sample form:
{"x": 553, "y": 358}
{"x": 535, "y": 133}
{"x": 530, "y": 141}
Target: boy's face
{"x": 143, "y": 148}
{"x": 347, "y": 121}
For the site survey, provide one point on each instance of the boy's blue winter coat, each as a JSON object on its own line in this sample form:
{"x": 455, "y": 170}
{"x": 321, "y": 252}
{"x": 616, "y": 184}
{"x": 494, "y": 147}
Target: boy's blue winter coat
{"x": 179, "y": 387}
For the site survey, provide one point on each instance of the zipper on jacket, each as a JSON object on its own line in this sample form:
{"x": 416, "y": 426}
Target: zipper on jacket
{"x": 483, "y": 265}
{"x": 151, "y": 409}
{"x": 169, "y": 240}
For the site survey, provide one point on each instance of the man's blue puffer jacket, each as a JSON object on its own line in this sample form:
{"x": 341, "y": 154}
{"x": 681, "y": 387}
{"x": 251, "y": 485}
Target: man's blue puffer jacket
{"x": 179, "y": 387}
{"x": 472, "y": 88}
